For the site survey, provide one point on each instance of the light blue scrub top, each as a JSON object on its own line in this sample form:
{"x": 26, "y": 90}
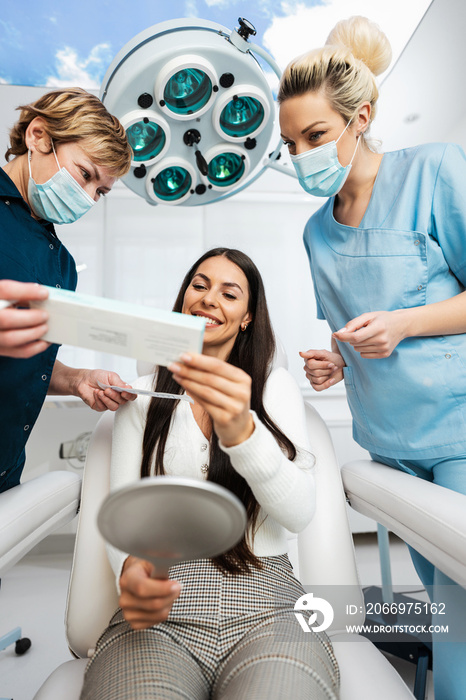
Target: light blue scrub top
{"x": 409, "y": 250}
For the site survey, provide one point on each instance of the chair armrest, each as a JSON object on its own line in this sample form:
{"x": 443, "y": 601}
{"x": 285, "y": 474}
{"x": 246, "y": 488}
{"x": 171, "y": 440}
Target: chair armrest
{"x": 426, "y": 516}
{"x": 92, "y": 594}
{"x": 325, "y": 547}
{"x": 31, "y": 511}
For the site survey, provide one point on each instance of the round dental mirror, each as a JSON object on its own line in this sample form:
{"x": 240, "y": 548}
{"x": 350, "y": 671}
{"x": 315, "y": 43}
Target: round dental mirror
{"x": 166, "y": 520}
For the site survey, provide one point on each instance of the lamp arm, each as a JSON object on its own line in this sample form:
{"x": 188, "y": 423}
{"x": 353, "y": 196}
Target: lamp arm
{"x": 281, "y": 167}
{"x": 255, "y": 48}
{"x": 271, "y": 161}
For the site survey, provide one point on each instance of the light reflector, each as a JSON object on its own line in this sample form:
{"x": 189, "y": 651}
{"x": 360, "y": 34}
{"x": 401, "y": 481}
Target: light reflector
{"x": 188, "y": 91}
{"x": 171, "y": 181}
{"x": 147, "y": 140}
{"x": 241, "y": 112}
{"x": 185, "y": 87}
{"x": 242, "y": 116}
{"x": 225, "y": 169}
{"x": 227, "y": 165}
{"x": 148, "y": 135}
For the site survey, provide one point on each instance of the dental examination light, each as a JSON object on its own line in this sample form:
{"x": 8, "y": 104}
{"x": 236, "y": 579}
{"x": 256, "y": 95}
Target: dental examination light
{"x": 197, "y": 109}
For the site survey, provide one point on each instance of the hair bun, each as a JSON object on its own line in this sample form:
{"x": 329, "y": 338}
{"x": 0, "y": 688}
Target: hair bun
{"x": 365, "y": 40}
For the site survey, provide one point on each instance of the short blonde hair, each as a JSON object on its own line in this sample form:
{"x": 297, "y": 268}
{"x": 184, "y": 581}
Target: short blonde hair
{"x": 73, "y": 115}
{"x": 343, "y": 70}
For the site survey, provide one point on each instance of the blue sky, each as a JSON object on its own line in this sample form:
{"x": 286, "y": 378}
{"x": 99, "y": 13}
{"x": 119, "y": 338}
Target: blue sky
{"x": 55, "y": 42}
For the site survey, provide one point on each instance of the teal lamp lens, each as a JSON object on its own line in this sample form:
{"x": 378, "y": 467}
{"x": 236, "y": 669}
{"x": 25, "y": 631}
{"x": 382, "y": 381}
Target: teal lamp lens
{"x": 225, "y": 169}
{"x": 241, "y": 116}
{"x": 187, "y": 91}
{"x": 147, "y": 140}
{"x": 172, "y": 183}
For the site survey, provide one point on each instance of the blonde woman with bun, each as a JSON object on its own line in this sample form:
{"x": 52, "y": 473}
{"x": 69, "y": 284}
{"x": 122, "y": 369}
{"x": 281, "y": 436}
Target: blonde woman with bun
{"x": 388, "y": 260}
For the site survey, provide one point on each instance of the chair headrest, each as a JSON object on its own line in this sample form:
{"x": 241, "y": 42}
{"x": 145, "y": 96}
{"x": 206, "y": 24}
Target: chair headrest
{"x": 280, "y": 358}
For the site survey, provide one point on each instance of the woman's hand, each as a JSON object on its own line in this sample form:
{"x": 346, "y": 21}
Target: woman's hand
{"x": 224, "y": 391}
{"x": 83, "y": 383}
{"x": 323, "y": 368}
{"x": 375, "y": 334}
{"x": 145, "y": 601}
{"x": 87, "y": 388}
{"x": 21, "y": 329}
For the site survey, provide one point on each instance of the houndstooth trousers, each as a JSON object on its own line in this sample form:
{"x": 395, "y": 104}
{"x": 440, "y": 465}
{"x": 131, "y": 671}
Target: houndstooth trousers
{"x": 227, "y": 637}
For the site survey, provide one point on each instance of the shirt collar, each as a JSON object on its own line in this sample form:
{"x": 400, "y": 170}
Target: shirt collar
{"x": 7, "y": 186}
{"x": 9, "y": 190}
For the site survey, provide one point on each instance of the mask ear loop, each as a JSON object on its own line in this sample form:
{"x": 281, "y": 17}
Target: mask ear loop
{"x": 30, "y": 157}
{"x": 344, "y": 130}
{"x": 29, "y": 163}
{"x": 357, "y": 142}
{"x": 54, "y": 153}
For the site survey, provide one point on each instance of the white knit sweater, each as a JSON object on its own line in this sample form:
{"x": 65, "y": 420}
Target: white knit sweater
{"x": 284, "y": 489}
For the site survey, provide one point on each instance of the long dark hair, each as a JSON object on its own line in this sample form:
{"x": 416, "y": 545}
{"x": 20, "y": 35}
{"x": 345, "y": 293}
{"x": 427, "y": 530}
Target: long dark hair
{"x": 253, "y": 351}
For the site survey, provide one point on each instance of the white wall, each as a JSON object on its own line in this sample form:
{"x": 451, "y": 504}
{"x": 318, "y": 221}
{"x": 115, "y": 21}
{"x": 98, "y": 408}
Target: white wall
{"x": 423, "y": 99}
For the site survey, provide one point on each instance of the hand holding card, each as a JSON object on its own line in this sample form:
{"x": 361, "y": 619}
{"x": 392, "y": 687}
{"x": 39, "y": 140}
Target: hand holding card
{"x": 146, "y": 392}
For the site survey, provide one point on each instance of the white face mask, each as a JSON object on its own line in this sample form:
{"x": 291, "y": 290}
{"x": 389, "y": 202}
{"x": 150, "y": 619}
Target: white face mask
{"x": 319, "y": 171}
{"x": 60, "y": 200}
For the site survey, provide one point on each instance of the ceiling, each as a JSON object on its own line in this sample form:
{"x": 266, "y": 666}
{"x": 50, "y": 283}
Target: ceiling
{"x": 423, "y": 98}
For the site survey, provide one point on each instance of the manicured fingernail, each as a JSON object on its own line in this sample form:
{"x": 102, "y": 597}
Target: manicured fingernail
{"x": 331, "y": 381}
{"x": 342, "y": 330}
{"x": 174, "y": 367}
{"x": 185, "y": 357}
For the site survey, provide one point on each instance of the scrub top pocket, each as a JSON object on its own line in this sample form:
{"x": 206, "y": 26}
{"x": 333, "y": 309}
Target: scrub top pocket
{"x": 354, "y": 402}
{"x": 371, "y": 270}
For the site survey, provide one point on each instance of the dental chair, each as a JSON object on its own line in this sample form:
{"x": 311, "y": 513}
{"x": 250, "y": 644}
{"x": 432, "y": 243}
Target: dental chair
{"x": 323, "y": 555}
{"x": 28, "y": 513}
{"x": 428, "y": 517}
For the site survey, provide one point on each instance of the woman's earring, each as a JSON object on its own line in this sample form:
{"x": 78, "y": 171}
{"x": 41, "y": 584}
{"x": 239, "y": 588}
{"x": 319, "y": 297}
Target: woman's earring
{"x": 244, "y": 326}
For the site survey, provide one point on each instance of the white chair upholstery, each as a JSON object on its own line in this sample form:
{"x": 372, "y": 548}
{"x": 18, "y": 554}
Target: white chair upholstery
{"x": 428, "y": 517}
{"x": 31, "y": 511}
{"x": 325, "y": 553}
{"x": 92, "y": 599}
{"x": 28, "y": 513}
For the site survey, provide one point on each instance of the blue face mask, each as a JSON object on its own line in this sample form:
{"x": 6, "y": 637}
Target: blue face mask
{"x": 60, "y": 200}
{"x": 319, "y": 171}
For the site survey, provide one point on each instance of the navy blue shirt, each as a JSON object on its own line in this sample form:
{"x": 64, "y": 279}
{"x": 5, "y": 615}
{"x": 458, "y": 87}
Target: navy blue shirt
{"x": 29, "y": 252}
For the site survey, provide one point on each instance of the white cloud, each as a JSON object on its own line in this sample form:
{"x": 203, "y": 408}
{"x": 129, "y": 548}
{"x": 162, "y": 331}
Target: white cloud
{"x": 190, "y": 9}
{"x": 11, "y": 35}
{"x": 304, "y": 28}
{"x": 73, "y": 71}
